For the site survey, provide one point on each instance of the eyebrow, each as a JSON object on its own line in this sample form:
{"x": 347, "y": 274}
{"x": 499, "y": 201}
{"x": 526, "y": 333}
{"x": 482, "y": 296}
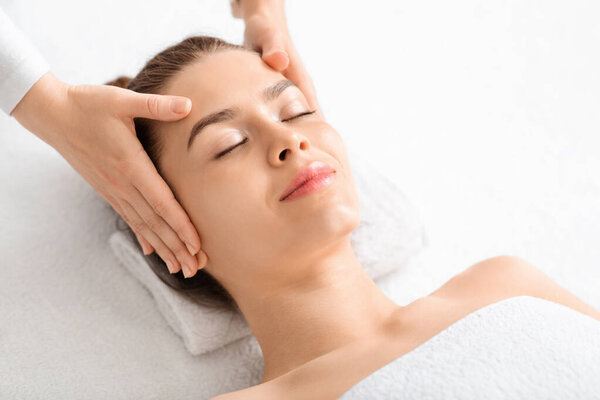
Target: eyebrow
{"x": 269, "y": 94}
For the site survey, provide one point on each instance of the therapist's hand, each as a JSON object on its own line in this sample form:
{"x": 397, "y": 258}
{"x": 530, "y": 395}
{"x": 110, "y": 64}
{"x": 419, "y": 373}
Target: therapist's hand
{"x": 92, "y": 127}
{"x": 266, "y": 31}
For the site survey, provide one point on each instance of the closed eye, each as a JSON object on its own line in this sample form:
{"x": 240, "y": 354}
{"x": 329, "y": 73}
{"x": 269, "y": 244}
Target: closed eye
{"x": 298, "y": 116}
{"x": 221, "y": 154}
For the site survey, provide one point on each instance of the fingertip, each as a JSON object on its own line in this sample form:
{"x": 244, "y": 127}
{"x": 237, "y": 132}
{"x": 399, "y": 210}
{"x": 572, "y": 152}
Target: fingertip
{"x": 177, "y": 268}
{"x": 146, "y": 247}
{"x": 170, "y": 266}
{"x": 180, "y": 105}
{"x": 191, "y": 249}
{"x": 277, "y": 59}
{"x": 203, "y": 259}
{"x": 189, "y": 271}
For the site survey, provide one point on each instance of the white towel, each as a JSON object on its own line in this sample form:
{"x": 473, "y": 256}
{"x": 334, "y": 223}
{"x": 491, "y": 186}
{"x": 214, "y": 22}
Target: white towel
{"x": 389, "y": 234}
{"x": 519, "y": 348}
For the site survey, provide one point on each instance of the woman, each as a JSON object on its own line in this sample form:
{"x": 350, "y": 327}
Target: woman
{"x": 286, "y": 259}
{"x": 91, "y": 127}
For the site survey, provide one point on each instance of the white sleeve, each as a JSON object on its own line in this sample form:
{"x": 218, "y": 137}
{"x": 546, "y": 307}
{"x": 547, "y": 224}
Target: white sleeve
{"x": 21, "y": 65}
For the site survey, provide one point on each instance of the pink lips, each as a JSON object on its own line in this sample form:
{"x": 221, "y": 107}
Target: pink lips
{"x": 310, "y": 178}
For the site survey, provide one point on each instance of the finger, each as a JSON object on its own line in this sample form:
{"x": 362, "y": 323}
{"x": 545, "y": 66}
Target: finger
{"x": 278, "y": 60}
{"x": 159, "y": 196}
{"x": 138, "y": 226}
{"x": 146, "y": 247}
{"x": 154, "y": 106}
{"x": 93, "y": 180}
{"x": 203, "y": 259}
{"x": 274, "y": 54}
{"x": 236, "y": 10}
{"x": 159, "y": 226}
{"x": 298, "y": 74}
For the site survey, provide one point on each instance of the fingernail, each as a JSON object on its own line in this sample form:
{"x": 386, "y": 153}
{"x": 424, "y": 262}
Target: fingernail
{"x": 203, "y": 259}
{"x": 176, "y": 267}
{"x": 180, "y": 105}
{"x": 191, "y": 249}
{"x": 170, "y": 266}
{"x": 143, "y": 246}
{"x": 187, "y": 272}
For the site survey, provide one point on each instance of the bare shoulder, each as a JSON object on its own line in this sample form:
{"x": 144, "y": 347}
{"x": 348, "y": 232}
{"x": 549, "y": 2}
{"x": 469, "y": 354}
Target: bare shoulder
{"x": 486, "y": 282}
{"x": 502, "y": 277}
{"x": 238, "y": 394}
{"x": 262, "y": 391}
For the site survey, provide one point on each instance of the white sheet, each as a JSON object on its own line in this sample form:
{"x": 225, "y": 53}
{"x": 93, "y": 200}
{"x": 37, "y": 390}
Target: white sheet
{"x": 519, "y": 348}
{"x": 484, "y": 114}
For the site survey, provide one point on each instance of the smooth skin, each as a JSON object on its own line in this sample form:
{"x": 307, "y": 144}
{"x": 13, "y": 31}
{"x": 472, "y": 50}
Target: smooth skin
{"x": 91, "y": 126}
{"x": 484, "y": 283}
{"x": 290, "y": 265}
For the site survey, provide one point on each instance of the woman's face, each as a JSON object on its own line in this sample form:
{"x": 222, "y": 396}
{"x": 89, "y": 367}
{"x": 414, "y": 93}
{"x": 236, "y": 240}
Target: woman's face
{"x": 234, "y": 200}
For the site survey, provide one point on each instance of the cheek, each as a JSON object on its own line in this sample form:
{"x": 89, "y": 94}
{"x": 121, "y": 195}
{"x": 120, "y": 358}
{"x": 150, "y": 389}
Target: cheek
{"x": 232, "y": 213}
{"x": 331, "y": 142}
{"x": 326, "y": 139}
{"x": 222, "y": 200}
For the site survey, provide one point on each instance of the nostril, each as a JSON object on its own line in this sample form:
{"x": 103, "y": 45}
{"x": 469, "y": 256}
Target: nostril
{"x": 282, "y": 155}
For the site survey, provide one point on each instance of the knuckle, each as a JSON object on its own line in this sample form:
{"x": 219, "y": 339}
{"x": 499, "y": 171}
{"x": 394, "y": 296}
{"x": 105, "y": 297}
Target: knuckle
{"x": 126, "y": 219}
{"x": 270, "y": 36}
{"x": 77, "y": 91}
{"x": 153, "y": 223}
{"x": 181, "y": 251}
{"x": 123, "y": 165}
{"x": 166, "y": 255}
{"x": 107, "y": 178}
{"x": 153, "y": 104}
{"x": 122, "y": 168}
{"x": 138, "y": 226}
{"x": 160, "y": 207}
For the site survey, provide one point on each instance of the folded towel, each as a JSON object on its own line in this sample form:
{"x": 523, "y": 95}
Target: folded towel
{"x": 519, "y": 348}
{"x": 390, "y": 232}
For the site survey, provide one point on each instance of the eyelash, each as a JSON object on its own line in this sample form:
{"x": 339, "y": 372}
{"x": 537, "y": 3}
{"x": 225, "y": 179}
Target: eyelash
{"x": 299, "y": 115}
{"x": 221, "y": 154}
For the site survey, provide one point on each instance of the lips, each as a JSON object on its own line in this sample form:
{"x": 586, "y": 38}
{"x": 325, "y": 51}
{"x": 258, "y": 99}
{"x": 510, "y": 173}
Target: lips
{"x": 307, "y": 173}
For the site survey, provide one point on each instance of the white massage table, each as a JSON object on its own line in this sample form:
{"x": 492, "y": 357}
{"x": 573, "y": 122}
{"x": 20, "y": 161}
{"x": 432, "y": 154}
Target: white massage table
{"x": 486, "y": 115}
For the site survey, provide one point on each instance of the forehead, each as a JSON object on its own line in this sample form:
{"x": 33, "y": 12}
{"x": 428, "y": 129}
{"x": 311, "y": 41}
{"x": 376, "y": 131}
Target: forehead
{"x": 221, "y": 79}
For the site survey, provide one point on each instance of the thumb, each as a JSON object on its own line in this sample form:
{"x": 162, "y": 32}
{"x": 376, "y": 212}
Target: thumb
{"x": 156, "y": 106}
{"x": 273, "y": 53}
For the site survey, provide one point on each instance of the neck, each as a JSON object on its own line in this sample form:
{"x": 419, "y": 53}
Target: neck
{"x": 331, "y": 303}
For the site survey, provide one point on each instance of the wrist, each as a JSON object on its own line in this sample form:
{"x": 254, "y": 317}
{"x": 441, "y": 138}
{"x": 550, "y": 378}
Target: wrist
{"x": 41, "y": 107}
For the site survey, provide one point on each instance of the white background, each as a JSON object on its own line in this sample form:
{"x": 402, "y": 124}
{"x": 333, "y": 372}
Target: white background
{"x": 484, "y": 113}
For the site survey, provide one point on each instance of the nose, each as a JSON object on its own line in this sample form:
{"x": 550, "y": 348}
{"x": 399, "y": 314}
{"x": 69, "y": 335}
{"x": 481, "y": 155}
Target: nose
{"x": 288, "y": 142}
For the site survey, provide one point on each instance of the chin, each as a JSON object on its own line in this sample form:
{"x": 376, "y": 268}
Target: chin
{"x": 327, "y": 226}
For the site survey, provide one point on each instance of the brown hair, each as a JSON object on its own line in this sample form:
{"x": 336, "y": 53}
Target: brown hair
{"x": 152, "y": 79}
